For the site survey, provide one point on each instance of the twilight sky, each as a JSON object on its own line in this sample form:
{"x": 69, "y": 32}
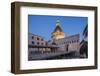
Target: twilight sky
{"x": 44, "y": 25}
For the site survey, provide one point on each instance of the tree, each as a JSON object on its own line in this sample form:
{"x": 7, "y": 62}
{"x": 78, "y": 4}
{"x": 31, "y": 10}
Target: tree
{"x": 85, "y": 31}
{"x": 84, "y": 43}
{"x": 84, "y": 48}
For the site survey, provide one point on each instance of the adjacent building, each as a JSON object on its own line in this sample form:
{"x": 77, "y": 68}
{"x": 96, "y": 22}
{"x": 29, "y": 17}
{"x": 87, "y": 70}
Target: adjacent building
{"x": 36, "y": 40}
{"x": 37, "y": 45}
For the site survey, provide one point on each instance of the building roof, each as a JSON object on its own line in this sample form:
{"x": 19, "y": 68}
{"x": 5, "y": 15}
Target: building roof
{"x": 36, "y": 35}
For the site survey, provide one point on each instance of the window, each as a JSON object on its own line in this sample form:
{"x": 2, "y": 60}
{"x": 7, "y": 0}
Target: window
{"x": 32, "y": 37}
{"x": 33, "y": 42}
{"x": 38, "y": 43}
{"x": 74, "y": 41}
{"x": 37, "y": 38}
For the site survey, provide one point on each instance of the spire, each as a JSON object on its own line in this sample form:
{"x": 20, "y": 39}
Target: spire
{"x": 57, "y": 33}
{"x": 58, "y": 28}
{"x": 57, "y": 23}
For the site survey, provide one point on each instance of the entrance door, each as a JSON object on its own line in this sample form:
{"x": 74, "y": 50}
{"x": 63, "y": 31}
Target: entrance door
{"x": 67, "y": 47}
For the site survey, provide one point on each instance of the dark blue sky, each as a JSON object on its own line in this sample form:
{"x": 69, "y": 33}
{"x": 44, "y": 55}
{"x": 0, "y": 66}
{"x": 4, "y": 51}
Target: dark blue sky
{"x": 44, "y": 25}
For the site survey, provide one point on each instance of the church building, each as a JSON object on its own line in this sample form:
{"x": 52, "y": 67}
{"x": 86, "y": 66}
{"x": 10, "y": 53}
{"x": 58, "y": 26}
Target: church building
{"x": 65, "y": 43}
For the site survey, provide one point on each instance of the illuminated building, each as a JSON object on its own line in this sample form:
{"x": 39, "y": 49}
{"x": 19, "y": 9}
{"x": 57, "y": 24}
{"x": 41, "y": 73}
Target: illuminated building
{"x": 65, "y": 43}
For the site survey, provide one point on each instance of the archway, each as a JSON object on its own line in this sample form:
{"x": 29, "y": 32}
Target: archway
{"x": 67, "y": 46}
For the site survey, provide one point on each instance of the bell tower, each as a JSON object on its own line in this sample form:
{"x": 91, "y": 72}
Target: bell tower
{"x": 57, "y": 33}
